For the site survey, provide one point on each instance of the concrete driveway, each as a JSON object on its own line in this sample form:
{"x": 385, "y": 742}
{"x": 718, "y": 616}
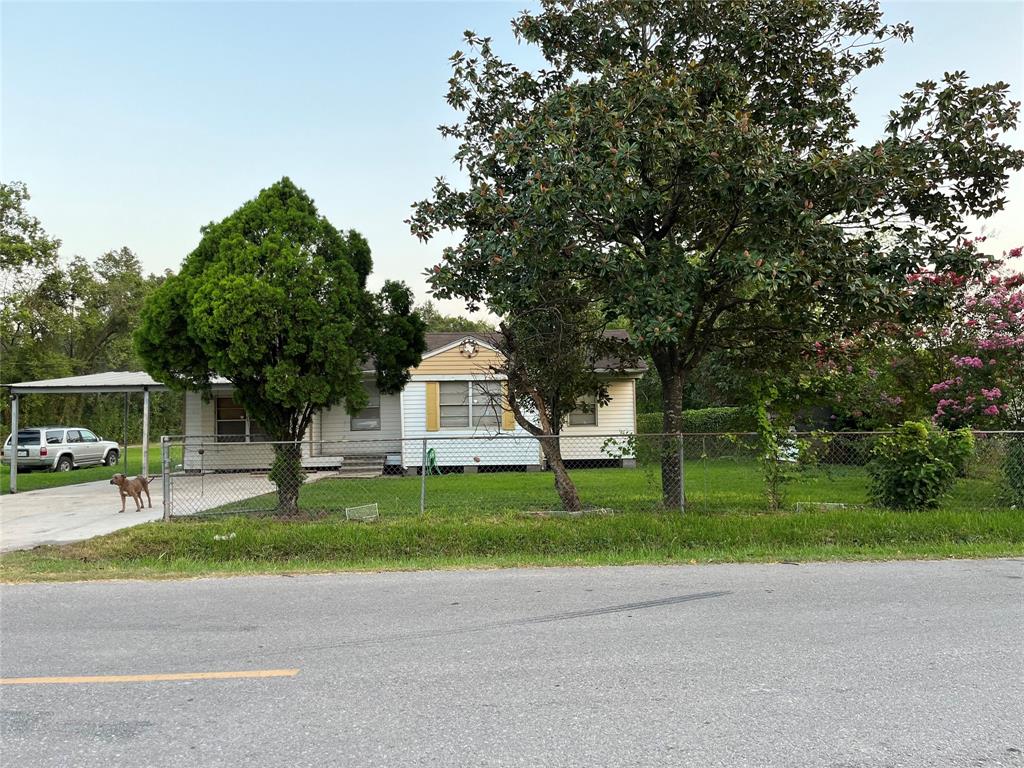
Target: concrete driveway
{"x": 70, "y": 513}
{"x": 77, "y": 512}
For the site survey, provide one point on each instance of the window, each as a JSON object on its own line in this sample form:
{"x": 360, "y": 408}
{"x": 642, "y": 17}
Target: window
{"x": 234, "y": 426}
{"x": 89, "y": 437}
{"x": 368, "y": 419}
{"x": 231, "y": 421}
{"x": 487, "y": 404}
{"x": 74, "y": 436}
{"x": 26, "y": 437}
{"x": 585, "y": 414}
{"x": 454, "y": 396}
{"x": 54, "y": 436}
{"x": 475, "y": 404}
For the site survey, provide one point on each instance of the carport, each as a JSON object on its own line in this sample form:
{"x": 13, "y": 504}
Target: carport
{"x": 114, "y": 382}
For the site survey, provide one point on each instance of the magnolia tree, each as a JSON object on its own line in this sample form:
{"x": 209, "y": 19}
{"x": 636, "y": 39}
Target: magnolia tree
{"x": 693, "y": 165}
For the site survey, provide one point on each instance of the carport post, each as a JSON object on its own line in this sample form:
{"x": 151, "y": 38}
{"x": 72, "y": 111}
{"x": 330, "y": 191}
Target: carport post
{"x": 124, "y": 434}
{"x": 145, "y": 432}
{"x": 14, "y": 443}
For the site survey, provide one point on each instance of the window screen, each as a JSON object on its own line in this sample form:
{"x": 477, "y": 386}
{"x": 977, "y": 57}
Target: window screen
{"x": 487, "y": 404}
{"x": 585, "y": 413}
{"x": 454, "y": 397}
{"x": 368, "y": 419}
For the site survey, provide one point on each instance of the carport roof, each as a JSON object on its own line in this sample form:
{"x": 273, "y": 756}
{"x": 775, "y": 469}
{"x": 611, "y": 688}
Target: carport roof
{"x": 111, "y": 381}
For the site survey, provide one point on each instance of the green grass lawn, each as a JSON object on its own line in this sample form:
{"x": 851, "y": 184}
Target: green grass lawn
{"x": 31, "y": 481}
{"x": 478, "y": 520}
{"x": 455, "y": 540}
{"x": 714, "y": 486}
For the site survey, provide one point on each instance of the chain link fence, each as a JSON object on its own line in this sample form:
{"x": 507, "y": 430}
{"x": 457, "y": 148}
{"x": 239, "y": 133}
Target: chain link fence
{"x": 599, "y": 474}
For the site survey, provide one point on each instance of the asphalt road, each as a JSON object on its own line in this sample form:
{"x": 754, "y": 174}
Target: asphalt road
{"x": 885, "y": 664}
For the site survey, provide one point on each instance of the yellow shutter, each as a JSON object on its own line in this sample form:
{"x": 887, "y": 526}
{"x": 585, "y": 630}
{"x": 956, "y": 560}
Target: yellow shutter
{"x": 433, "y": 406}
{"x": 508, "y": 419}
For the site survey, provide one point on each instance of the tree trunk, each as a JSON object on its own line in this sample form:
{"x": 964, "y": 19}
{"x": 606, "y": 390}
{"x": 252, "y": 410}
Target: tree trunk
{"x": 671, "y": 426}
{"x": 287, "y": 475}
{"x": 564, "y": 485}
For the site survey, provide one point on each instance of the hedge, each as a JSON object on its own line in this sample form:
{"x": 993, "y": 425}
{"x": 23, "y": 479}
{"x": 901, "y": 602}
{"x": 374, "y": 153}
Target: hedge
{"x": 702, "y": 420}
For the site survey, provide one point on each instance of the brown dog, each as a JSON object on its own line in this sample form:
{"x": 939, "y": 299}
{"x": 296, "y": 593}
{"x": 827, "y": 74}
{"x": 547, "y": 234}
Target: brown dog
{"x": 134, "y": 488}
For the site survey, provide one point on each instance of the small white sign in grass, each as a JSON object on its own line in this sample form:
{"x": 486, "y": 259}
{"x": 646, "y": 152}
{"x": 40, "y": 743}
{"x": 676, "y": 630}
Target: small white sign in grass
{"x": 601, "y": 511}
{"x": 364, "y": 513}
{"x": 823, "y": 506}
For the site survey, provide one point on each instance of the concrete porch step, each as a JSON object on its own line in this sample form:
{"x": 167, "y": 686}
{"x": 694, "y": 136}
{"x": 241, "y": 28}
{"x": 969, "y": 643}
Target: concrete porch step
{"x": 348, "y": 466}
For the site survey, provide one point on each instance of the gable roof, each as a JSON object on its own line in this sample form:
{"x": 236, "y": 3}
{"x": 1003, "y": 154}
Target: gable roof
{"x": 436, "y": 342}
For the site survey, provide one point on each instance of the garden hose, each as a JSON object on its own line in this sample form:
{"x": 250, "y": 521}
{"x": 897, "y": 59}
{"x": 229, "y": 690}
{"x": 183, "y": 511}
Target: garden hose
{"x": 432, "y": 468}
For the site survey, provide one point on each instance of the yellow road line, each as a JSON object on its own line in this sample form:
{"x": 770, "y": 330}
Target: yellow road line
{"x": 148, "y": 678}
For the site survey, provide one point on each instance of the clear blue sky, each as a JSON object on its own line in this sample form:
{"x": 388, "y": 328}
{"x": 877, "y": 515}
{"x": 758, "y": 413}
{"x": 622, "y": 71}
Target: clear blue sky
{"x": 136, "y": 123}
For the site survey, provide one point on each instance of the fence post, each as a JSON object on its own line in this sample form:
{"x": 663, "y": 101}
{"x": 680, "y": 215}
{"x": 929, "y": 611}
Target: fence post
{"x": 682, "y": 475}
{"x": 704, "y": 467}
{"x": 423, "y": 478}
{"x": 165, "y": 468}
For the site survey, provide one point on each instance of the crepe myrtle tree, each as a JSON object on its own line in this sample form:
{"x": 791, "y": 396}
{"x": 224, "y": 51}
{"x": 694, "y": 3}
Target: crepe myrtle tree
{"x": 274, "y": 299}
{"x": 694, "y": 164}
{"x": 981, "y": 348}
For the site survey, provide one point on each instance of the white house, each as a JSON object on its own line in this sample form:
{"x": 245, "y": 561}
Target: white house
{"x": 453, "y": 401}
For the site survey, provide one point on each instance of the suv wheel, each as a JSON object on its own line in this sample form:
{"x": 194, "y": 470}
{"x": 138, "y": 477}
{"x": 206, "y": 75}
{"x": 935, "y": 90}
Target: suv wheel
{"x": 64, "y": 464}
{"x": 111, "y": 458}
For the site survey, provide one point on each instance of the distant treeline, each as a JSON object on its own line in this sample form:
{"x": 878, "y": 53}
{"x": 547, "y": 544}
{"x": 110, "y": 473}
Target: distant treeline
{"x": 61, "y": 317}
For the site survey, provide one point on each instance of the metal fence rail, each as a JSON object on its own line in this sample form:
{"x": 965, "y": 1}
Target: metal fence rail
{"x": 501, "y": 474}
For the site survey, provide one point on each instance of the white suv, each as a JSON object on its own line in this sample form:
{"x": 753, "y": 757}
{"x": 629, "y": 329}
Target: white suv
{"x": 61, "y": 449}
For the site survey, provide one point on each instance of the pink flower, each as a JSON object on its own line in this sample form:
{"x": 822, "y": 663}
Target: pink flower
{"x": 992, "y": 410}
{"x": 967, "y": 362}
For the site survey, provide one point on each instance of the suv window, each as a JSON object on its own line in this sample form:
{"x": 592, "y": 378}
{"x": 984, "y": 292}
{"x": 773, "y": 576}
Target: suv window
{"x": 74, "y": 436}
{"x": 89, "y": 437}
{"x": 26, "y": 437}
{"x": 54, "y": 436}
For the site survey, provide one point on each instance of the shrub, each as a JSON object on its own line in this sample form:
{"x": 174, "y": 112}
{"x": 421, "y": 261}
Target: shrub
{"x": 914, "y": 467}
{"x": 726, "y": 419}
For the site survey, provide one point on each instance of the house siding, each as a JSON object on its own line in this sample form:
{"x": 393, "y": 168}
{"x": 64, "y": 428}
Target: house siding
{"x": 404, "y": 426}
{"x": 504, "y": 448}
{"x": 200, "y": 428}
{"x": 333, "y": 429}
{"x": 616, "y": 418}
{"x": 453, "y": 362}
